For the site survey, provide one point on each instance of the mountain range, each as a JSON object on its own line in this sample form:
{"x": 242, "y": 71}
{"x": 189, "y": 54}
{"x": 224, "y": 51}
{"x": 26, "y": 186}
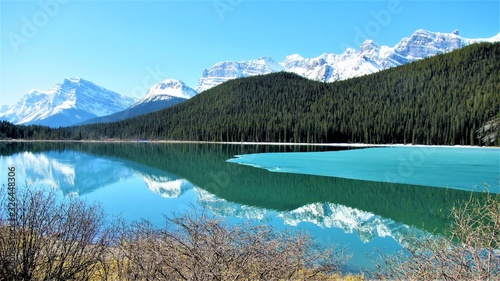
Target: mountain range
{"x": 77, "y": 101}
{"x": 162, "y": 95}
{"x": 441, "y": 100}
{"x": 370, "y": 58}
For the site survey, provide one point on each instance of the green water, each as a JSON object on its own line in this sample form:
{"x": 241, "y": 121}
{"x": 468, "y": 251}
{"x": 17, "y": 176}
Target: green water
{"x": 146, "y": 180}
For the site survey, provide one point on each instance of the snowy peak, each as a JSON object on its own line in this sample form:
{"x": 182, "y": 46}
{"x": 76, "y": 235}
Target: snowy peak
{"x": 67, "y": 103}
{"x": 167, "y": 93}
{"x": 370, "y": 58}
{"x": 268, "y": 64}
{"x": 74, "y": 80}
{"x": 495, "y": 38}
{"x": 424, "y": 43}
{"x": 166, "y": 90}
{"x": 227, "y": 70}
{"x": 370, "y": 49}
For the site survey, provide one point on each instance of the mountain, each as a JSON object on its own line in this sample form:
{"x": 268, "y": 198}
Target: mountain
{"x": 440, "y": 100}
{"x": 67, "y": 103}
{"x": 77, "y": 101}
{"x": 224, "y": 71}
{"x": 168, "y": 89}
{"x": 370, "y": 58}
{"x": 162, "y": 95}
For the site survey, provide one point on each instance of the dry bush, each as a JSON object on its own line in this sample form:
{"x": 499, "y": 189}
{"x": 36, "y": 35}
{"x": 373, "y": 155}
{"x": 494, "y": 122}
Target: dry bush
{"x": 196, "y": 246}
{"x": 66, "y": 239}
{"x": 53, "y": 239}
{"x": 471, "y": 252}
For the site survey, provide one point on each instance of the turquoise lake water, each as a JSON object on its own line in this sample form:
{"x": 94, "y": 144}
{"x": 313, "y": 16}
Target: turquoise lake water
{"x": 329, "y": 194}
{"x": 449, "y": 167}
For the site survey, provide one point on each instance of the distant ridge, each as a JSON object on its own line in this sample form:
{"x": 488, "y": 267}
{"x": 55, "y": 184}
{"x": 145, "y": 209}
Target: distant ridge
{"x": 162, "y": 95}
{"x": 84, "y": 102}
{"x": 442, "y": 100}
{"x": 370, "y": 58}
{"x": 67, "y": 103}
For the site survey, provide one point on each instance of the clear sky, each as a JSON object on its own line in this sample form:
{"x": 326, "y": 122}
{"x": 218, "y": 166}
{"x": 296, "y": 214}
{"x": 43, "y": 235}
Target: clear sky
{"x": 127, "y": 46}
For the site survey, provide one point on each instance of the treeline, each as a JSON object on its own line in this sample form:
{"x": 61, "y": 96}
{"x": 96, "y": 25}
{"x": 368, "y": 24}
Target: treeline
{"x": 11, "y": 131}
{"x": 446, "y": 99}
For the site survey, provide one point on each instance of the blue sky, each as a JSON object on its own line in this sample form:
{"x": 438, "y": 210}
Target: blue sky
{"x": 127, "y": 46}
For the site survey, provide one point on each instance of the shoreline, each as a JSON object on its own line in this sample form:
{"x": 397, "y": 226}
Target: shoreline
{"x": 250, "y": 143}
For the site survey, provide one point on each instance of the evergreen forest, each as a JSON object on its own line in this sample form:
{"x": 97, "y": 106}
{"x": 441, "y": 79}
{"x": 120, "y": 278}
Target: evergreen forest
{"x": 449, "y": 99}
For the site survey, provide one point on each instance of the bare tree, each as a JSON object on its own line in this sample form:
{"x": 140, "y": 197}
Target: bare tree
{"x": 59, "y": 238}
{"x": 470, "y": 252}
{"x": 196, "y": 246}
{"x": 55, "y": 238}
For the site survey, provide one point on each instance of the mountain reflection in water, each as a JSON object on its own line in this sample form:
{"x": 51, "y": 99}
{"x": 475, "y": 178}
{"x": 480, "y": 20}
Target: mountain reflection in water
{"x": 333, "y": 209}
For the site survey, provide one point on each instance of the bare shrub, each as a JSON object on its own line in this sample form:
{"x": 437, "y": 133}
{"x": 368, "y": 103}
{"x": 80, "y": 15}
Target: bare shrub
{"x": 66, "y": 239}
{"x": 54, "y": 239}
{"x": 470, "y": 252}
{"x": 196, "y": 246}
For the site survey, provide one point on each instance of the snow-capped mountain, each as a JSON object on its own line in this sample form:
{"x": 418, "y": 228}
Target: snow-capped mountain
{"x": 162, "y": 95}
{"x": 166, "y": 90}
{"x": 370, "y": 58}
{"x": 67, "y": 103}
{"x": 77, "y": 101}
{"x": 227, "y": 70}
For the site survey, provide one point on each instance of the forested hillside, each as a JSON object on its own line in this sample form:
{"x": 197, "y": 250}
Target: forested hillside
{"x": 446, "y": 99}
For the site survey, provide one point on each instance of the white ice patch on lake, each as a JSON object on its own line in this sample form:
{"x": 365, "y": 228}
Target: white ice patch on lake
{"x": 458, "y": 168}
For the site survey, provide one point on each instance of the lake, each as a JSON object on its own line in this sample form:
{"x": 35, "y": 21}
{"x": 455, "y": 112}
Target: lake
{"x": 360, "y": 198}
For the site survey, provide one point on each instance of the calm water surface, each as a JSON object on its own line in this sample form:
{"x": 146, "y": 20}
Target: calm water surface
{"x": 363, "y": 199}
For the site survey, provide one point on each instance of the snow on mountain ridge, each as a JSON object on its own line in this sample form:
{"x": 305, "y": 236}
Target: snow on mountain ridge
{"x": 166, "y": 90}
{"x": 227, "y": 70}
{"x": 74, "y": 79}
{"x": 76, "y": 100}
{"x": 370, "y": 58}
{"x": 72, "y": 101}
